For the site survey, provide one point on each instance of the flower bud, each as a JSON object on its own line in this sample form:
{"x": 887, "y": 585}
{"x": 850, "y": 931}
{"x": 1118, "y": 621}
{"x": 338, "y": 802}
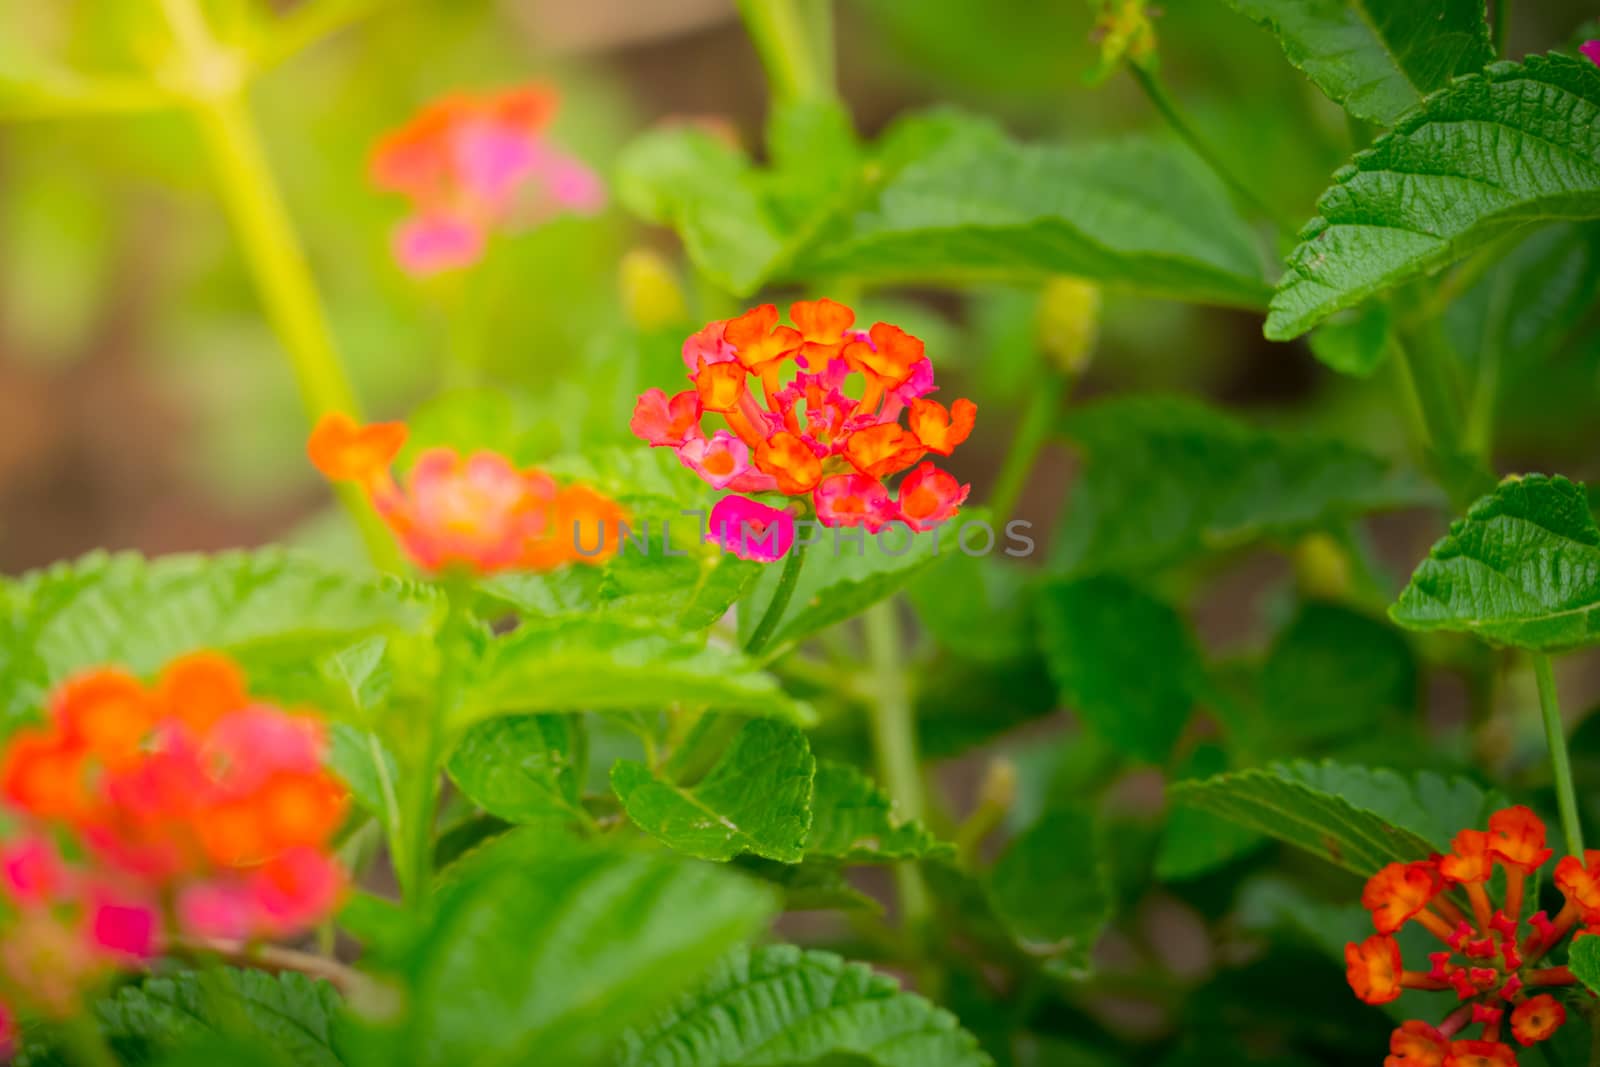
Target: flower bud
{"x": 1067, "y": 326}
{"x": 650, "y": 291}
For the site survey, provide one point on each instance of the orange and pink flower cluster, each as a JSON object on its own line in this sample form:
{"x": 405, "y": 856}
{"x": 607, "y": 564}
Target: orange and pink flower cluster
{"x": 479, "y": 512}
{"x": 476, "y": 164}
{"x": 1486, "y": 960}
{"x": 797, "y": 431}
{"x": 146, "y": 813}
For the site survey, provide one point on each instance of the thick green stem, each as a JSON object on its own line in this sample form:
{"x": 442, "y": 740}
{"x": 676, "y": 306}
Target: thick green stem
{"x": 1555, "y": 735}
{"x": 894, "y": 742}
{"x": 271, "y": 247}
{"x": 1153, "y": 88}
{"x": 798, "y": 64}
{"x": 780, "y": 599}
{"x": 1037, "y": 421}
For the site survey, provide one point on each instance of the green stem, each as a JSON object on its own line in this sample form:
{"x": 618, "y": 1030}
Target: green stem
{"x": 271, "y": 247}
{"x": 797, "y": 68}
{"x": 415, "y": 867}
{"x": 780, "y": 599}
{"x": 1038, "y": 419}
{"x": 1502, "y": 26}
{"x": 1153, "y": 88}
{"x": 1436, "y": 393}
{"x": 894, "y": 740}
{"x": 1556, "y": 736}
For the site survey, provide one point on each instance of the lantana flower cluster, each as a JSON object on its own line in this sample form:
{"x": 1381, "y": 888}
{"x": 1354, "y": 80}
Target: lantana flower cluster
{"x": 1486, "y": 959}
{"x": 141, "y": 814}
{"x": 479, "y": 512}
{"x": 473, "y": 165}
{"x": 796, "y": 430}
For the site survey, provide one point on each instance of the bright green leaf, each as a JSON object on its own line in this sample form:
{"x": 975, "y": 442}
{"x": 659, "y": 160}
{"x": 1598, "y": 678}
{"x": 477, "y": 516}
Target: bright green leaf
{"x": 523, "y": 767}
{"x": 1519, "y": 144}
{"x": 779, "y": 1005}
{"x": 1101, "y": 637}
{"x": 1354, "y": 342}
{"x": 1355, "y": 817}
{"x": 1137, "y": 214}
{"x": 1584, "y": 959}
{"x": 1523, "y": 569}
{"x": 609, "y": 665}
{"x": 1168, "y": 479}
{"x": 852, "y": 820}
{"x": 545, "y": 959}
{"x": 1377, "y": 58}
{"x": 1052, "y": 889}
{"x": 121, "y": 609}
{"x": 756, "y": 799}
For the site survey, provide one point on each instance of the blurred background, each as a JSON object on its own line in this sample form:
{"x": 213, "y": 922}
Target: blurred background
{"x": 144, "y": 402}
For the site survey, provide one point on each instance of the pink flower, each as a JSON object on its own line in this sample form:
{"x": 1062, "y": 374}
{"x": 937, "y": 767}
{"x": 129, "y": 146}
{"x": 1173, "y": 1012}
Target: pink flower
{"x": 32, "y": 871}
{"x": 664, "y": 422}
{"x": 929, "y": 496}
{"x": 222, "y": 909}
{"x": 750, "y": 529}
{"x": 479, "y": 511}
{"x": 247, "y": 747}
{"x": 720, "y": 460}
{"x": 123, "y": 929}
{"x": 854, "y": 500}
{"x": 707, "y": 343}
{"x": 291, "y": 891}
{"x": 1592, "y": 50}
{"x": 432, "y": 244}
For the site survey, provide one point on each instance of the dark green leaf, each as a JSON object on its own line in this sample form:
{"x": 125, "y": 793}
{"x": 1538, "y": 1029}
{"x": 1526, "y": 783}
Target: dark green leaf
{"x": 781, "y": 1005}
{"x": 756, "y": 799}
{"x": 1101, "y": 637}
{"x": 610, "y": 664}
{"x": 819, "y": 886}
{"x": 523, "y": 767}
{"x": 1197, "y": 842}
{"x": 1143, "y": 215}
{"x": 979, "y": 606}
{"x": 1334, "y": 671}
{"x": 1523, "y": 569}
{"x": 1377, "y": 58}
{"x": 1052, "y": 889}
{"x": 852, "y": 820}
{"x": 1519, "y": 144}
{"x": 1169, "y": 479}
{"x": 1355, "y": 817}
{"x": 544, "y": 958}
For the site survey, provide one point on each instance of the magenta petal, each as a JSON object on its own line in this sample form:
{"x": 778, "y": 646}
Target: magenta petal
{"x": 431, "y": 244}
{"x": 751, "y": 530}
{"x": 1592, "y": 50}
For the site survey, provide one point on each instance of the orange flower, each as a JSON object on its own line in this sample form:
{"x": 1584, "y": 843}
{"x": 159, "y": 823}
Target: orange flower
{"x": 759, "y": 342}
{"x": 824, "y": 327}
{"x": 1480, "y": 1054}
{"x": 1416, "y": 1044}
{"x": 1579, "y": 881}
{"x": 941, "y": 430}
{"x": 107, "y": 712}
{"x": 720, "y": 385}
{"x": 1516, "y": 839}
{"x": 1469, "y": 861}
{"x": 480, "y": 511}
{"x": 1536, "y": 1018}
{"x": 882, "y": 450}
{"x": 790, "y": 460}
{"x": 347, "y": 452}
{"x": 1373, "y": 968}
{"x": 1399, "y": 893}
{"x": 889, "y": 354}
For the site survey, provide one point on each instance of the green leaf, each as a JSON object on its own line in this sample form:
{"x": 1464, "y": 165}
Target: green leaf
{"x": 1169, "y": 479}
{"x": 1052, "y": 889}
{"x": 1584, "y": 959}
{"x": 1516, "y": 145}
{"x": 523, "y": 768}
{"x": 1377, "y": 58}
{"x": 1196, "y": 842}
{"x": 1137, "y": 214}
{"x": 811, "y": 886}
{"x": 779, "y": 1005}
{"x": 756, "y": 799}
{"x": 544, "y": 958}
{"x": 288, "y": 1012}
{"x": 1354, "y": 342}
{"x": 950, "y": 596}
{"x": 1122, "y": 659}
{"x": 852, "y": 820}
{"x": 846, "y": 571}
{"x": 1356, "y": 817}
{"x": 1334, "y": 671}
{"x": 268, "y": 606}
{"x": 1522, "y": 569}
{"x": 611, "y": 664}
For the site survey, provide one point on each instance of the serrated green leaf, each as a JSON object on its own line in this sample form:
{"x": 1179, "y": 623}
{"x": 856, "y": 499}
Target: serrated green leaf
{"x": 1052, "y": 889}
{"x": 1516, "y": 145}
{"x": 1100, "y": 636}
{"x": 608, "y": 664}
{"x": 544, "y": 960}
{"x": 288, "y": 1012}
{"x": 853, "y": 821}
{"x": 779, "y": 1005}
{"x": 122, "y": 609}
{"x": 1356, "y": 817}
{"x": 1377, "y": 58}
{"x": 756, "y": 799}
{"x": 1584, "y": 959}
{"x": 1522, "y": 569}
{"x": 1168, "y": 480}
{"x": 1137, "y": 214}
{"x": 523, "y": 768}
